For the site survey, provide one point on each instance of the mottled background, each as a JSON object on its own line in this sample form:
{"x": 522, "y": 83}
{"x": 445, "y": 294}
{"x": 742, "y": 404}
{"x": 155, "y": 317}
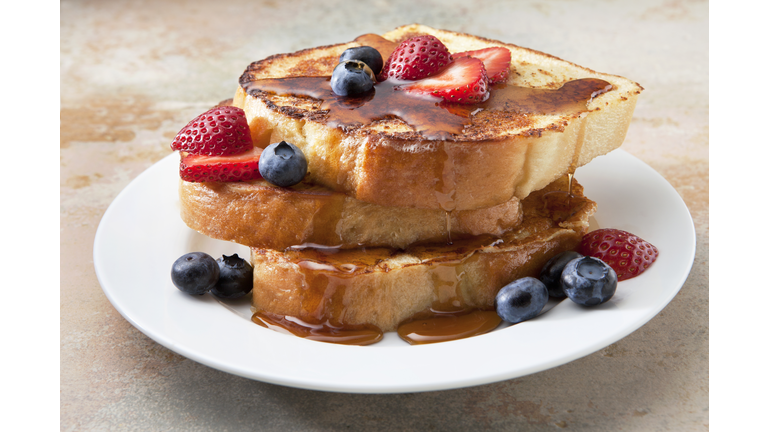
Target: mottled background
{"x": 134, "y": 72}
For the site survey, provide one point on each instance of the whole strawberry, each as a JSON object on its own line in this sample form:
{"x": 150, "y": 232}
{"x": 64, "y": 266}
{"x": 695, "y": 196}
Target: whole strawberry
{"x": 220, "y": 131}
{"x": 627, "y": 254}
{"x": 416, "y": 58}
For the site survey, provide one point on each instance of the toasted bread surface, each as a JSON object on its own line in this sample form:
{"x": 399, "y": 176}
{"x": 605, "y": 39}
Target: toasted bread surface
{"x": 258, "y": 214}
{"x": 499, "y": 154}
{"x": 383, "y": 287}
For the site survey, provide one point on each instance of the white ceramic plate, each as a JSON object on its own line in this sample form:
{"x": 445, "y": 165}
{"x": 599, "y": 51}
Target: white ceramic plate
{"x": 141, "y": 235}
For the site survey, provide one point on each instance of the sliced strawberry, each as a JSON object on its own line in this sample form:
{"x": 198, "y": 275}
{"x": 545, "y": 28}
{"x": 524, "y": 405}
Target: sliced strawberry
{"x": 464, "y": 81}
{"x": 495, "y": 59}
{"x": 416, "y": 58}
{"x": 626, "y": 253}
{"x": 203, "y": 168}
{"x": 219, "y": 131}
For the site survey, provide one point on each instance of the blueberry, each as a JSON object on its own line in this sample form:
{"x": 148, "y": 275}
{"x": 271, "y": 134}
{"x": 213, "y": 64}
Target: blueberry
{"x": 235, "y": 277}
{"x": 588, "y": 281}
{"x": 351, "y": 78}
{"x": 552, "y": 270}
{"x": 365, "y": 54}
{"x": 282, "y": 164}
{"x": 521, "y": 300}
{"x": 195, "y": 273}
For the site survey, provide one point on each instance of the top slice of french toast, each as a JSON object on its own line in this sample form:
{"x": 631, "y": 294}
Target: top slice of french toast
{"x": 498, "y": 151}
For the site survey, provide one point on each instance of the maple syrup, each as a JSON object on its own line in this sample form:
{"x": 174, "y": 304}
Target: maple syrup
{"x": 448, "y": 326}
{"x": 562, "y": 205}
{"x": 323, "y": 332}
{"x": 448, "y": 227}
{"x": 445, "y": 189}
{"x": 571, "y": 98}
{"x": 383, "y": 101}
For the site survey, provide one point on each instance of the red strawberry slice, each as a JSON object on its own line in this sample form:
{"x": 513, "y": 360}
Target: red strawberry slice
{"x": 219, "y": 131}
{"x": 204, "y": 168}
{"x": 626, "y": 253}
{"x": 416, "y": 58}
{"x": 495, "y": 59}
{"x": 464, "y": 81}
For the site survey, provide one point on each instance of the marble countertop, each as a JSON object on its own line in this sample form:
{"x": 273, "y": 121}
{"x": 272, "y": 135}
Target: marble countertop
{"x": 134, "y": 73}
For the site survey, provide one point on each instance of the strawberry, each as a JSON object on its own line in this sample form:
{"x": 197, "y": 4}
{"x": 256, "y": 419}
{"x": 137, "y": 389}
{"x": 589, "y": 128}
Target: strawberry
{"x": 220, "y": 131}
{"x": 495, "y": 59}
{"x": 464, "y": 81}
{"x": 416, "y": 58}
{"x": 626, "y": 253}
{"x": 204, "y": 168}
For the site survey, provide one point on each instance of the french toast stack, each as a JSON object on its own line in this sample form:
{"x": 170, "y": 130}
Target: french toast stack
{"x": 396, "y": 217}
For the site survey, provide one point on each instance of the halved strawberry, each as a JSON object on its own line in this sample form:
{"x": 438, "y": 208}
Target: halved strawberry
{"x": 464, "y": 81}
{"x": 204, "y": 168}
{"x": 219, "y": 131}
{"x": 627, "y": 254}
{"x": 416, "y": 58}
{"x": 495, "y": 59}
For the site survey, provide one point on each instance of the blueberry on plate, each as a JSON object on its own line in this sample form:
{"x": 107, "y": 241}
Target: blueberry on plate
{"x": 235, "y": 278}
{"x": 195, "y": 273}
{"x": 550, "y": 273}
{"x": 588, "y": 281}
{"x": 521, "y": 300}
{"x": 365, "y": 54}
{"x": 282, "y": 164}
{"x": 352, "y": 78}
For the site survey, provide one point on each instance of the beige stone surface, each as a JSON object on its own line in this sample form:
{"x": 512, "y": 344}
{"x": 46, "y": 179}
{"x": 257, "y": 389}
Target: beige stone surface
{"x": 133, "y": 73}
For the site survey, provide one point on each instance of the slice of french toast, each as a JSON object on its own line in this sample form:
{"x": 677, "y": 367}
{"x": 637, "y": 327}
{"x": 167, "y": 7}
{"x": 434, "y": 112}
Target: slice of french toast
{"x": 499, "y": 149}
{"x": 384, "y": 287}
{"x": 258, "y": 214}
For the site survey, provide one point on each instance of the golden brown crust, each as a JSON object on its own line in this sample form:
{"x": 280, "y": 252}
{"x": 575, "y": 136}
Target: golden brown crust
{"x": 384, "y": 287}
{"x": 495, "y": 157}
{"x": 257, "y": 214}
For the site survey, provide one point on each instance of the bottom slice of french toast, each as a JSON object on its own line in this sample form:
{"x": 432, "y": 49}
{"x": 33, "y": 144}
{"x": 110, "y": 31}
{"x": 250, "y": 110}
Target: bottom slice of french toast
{"x": 384, "y": 286}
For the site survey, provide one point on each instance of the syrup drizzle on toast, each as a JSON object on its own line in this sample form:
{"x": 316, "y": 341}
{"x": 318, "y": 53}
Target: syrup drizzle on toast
{"x": 433, "y": 119}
